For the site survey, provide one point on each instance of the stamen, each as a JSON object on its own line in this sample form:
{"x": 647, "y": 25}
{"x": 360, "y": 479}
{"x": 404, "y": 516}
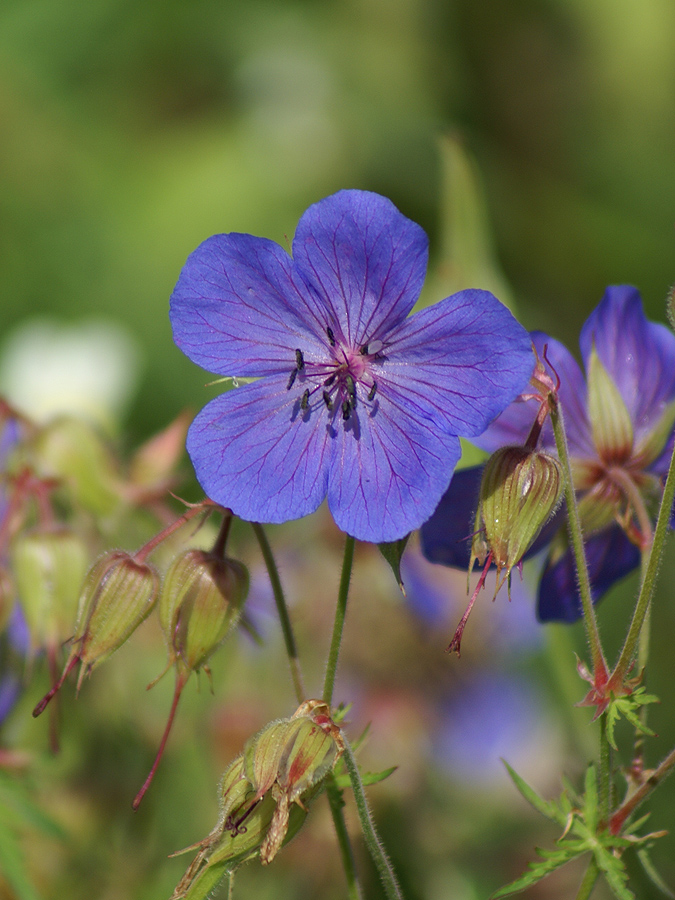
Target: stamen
{"x": 364, "y": 350}
{"x": 330, "y": 379}
{"x": 351, "y": 388}
{"x": 346, "y": 409}
{"x": 327, "y": 401}
{"x": 372, "y": 391}
{"x": 331, "y": 336}
{"x": 291, "y": 379}
{"x": 299, "y": 360}
{"x": 304, "y": 402}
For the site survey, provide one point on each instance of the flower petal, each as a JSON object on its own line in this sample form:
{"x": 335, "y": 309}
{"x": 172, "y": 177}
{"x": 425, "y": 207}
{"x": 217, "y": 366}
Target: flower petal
{"x": 240, "y": 308}
{"x": 639, "y": 355}
{"x": 460, "y": 362}
{"x": 610, "y": 556}
{"x": 366, "y": 261}
{"x": 255, "y": 451}
{"x": 514, "y": 424}
{"x": 388, "y": 471}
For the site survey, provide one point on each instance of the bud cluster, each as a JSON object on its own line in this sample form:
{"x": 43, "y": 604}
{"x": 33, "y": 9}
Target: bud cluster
{"x": 265, "y": 791}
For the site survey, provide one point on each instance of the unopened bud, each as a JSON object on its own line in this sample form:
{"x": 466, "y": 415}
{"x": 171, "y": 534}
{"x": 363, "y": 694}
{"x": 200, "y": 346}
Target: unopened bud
{"x": 519, "y": 492}
{"x": 73, "y": 451}
{"x": 49, "y": 565}
{"x": 201, "y": 602}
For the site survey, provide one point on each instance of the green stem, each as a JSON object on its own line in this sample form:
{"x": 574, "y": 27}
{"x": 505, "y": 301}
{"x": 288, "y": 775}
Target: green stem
{"x": 282, "y": 610}
{"x": 587, "y": 885}
{"x": 340, "y": 613}
{"x": 592, "y": 633}
{"x": 376, "y": 850}
{"x": 642, "y": 659}
{"x": 604, "y": 773}
{"x": 347, "y": 856}
{"x": 649, "y": 580}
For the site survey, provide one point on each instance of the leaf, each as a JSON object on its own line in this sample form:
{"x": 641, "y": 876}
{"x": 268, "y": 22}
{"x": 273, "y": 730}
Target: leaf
{"x": 343, "y": 781}
{"x": 536, "y": 871}
{"x": 12, "y": 865}
{"x": 546, "y": 808}
{"x": 393, "y": 553}
{"x": 14, "y": 797}
{"x": 615, "y": 873}
{"x": 653, "y": 875}
{"x": 591, "y": 799}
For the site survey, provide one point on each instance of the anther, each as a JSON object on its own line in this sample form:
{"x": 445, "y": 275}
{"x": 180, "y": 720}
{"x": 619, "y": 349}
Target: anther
{"x": 364, "y": 350}
{"x": 304, "y": 402}
{"x": 372, "y": 391}
{"x": 299, "y": 360}
{"x": 331, "y": 336}
{"x": 327, "y": 401}
{"x": 351, "y": 388}
{"x": 291, "y": 379}
{"x": 346, "y": 409}
{"x": 330, "y": 380}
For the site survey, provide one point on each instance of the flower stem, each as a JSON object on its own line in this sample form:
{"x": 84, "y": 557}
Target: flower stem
{"x": 282, "y": 610}
{"x": 649, "y": 580}
{"x": 376, "y": 850}
{"x": 588, "y": 883}
{"x": 635, "y": 799}
{"x": 340, "y": 613}
{"x": 590, "y": 621}
{"x": 604, "y": 772}
{"x": 347, "y": 856}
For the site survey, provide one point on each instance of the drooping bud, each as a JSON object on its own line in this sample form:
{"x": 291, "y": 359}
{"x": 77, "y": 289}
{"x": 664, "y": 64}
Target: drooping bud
{"x": 49, "y": 565}
{"x": 200, "y": 604}
{"x": 264, "y": 795}
{"x": 118, "y": 594}
{"x": 74, "y": 452}
{"x": 519, "y": 492}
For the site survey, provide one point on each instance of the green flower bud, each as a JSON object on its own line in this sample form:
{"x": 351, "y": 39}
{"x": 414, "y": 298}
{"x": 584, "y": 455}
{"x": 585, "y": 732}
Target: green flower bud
{"x": 119, "y": 593}
{"x": 73, "y": 451}
{"x": 49, "y": 565}
{"x": 519, "y": 492}
{"x": 200, "y": 603}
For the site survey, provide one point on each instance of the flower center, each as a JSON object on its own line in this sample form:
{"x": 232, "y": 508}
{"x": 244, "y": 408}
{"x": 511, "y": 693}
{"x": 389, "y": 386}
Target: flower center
{"x": 338, "y": 384}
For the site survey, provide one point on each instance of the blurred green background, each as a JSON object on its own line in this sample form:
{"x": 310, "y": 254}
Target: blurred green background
{"x": 129, "y": 132}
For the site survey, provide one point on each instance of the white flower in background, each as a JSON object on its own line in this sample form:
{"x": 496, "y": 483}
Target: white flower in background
{"x": 88, "y": 368}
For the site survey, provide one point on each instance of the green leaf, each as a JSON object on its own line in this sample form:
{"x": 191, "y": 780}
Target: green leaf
{"x": 536, "y": 871}
{"x": 653, "y": 875}
{"x": 614, "y": 871}
{"x": 343, "y": 781}
{"x": 12, "y": 865}
{"x": 15, "y": 800}
{"x": 546, "y": 808}
{"x": 393, "y": 553}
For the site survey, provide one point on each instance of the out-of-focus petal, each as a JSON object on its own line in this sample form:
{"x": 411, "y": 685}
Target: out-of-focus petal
{"x": 610, "y": 556}
{"x": 514, "y": 424}
{"x": 460, "y": 362}
{"x": 257, "y": 452}
{"x": 366, "y": 261}
{"x": 240, "y": 308}
{"x": 446, "y": 536}
{"x": 388, "y": 471}
{"x": 639, "y": 355}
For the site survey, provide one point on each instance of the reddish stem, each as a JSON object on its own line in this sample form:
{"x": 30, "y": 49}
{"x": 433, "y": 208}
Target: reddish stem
{"x": 181, "y": 680}
{"x": 146, "y": 549}
{"x": 42, "y": 705}
{"x": 54, "y": 710}
{"x": 456, "y": 641}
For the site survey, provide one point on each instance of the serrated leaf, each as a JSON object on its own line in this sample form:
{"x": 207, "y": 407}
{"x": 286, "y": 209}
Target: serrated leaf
{"x": 536, "y": 871}
{"x": 653, "y": 875}
{"x": 546, "y": 808}
{"x": 615, "y": 873}
{"x": 393, "y": 553}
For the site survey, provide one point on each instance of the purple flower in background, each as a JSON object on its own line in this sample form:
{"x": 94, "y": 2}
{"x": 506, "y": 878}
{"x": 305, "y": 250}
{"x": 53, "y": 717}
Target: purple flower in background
{"x": 619, "y": 422}
{"x": 355, "y": 400}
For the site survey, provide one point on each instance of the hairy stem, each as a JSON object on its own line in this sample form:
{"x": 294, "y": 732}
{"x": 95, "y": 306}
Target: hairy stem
{"x": 282, "y": 610}
{"x": 375, "y": 849}
{"x": 346, "y": 854}
{"x": 649, "y": 580}
{"x": 338, "y": 625}
{"x": 574, "y": 523}
{"x": 588, "y": 883}
{"x": 635, "y": 799}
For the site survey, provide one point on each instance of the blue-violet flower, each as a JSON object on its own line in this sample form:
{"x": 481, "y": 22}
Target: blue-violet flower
{"x": 619, "y": 422}
{"x": 354, "y": 400}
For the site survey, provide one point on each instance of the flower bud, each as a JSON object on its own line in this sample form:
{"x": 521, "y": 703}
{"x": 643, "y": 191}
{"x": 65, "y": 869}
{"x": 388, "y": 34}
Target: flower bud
{"x": 519, "y": 491}
{"x": 49, "y": 565}
{"x": 73, "y": 451}
{"x": 200, "y": 603}
{"x": 118, "y": 594}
